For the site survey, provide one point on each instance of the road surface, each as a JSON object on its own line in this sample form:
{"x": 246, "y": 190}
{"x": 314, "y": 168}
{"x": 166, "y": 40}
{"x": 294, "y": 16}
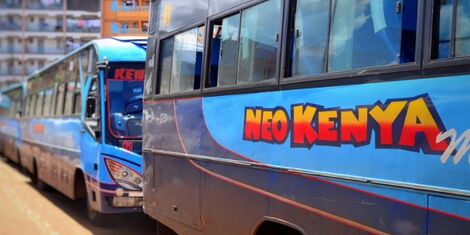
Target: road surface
{"x": 27, "y": 210}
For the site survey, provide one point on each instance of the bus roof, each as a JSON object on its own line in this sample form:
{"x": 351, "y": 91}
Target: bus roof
{"x": 116, "y": 49}
{"x": 130, "y": 48}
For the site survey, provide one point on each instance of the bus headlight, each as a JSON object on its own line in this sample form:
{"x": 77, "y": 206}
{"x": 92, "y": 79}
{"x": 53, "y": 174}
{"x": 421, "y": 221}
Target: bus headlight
{"x": 124, "y": 176}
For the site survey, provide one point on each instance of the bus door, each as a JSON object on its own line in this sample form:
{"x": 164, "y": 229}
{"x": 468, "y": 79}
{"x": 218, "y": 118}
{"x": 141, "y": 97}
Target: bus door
{"x": 91, "y": 137}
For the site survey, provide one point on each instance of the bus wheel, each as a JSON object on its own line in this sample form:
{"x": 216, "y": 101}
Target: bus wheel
{"x": 97, "y": 218}
{"x": 39, "y": 183}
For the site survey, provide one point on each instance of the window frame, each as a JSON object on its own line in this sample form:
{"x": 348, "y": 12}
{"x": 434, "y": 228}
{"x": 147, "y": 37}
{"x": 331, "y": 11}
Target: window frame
{"x": 156, "y": 80}
{"x": 282, "y": 81}
{"x": 355, "y": 73}
{"x": 430, "y": 63}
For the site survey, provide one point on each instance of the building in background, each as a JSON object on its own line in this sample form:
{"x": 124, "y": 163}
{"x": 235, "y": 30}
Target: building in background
{"x": 124, "y": 17}
{"x": 35, "y": 32}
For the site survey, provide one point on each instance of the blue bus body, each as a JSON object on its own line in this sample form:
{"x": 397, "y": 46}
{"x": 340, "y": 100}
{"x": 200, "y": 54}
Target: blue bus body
{"x": 279, "y": 132}
{"x": 10, "y": 128}
{"x": 67, "y": 139}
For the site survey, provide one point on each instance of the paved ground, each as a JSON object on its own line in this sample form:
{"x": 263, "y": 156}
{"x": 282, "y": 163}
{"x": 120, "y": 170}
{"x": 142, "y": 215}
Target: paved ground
{"x": 27, "y": 210}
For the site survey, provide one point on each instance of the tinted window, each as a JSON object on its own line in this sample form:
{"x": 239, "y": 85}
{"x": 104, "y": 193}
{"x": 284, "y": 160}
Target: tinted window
{"x": 166, "y": 57}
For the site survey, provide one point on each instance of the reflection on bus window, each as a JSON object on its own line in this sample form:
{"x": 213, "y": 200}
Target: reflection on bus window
{"x": 180, "y": 67}
{"x": 462, "y": 38}
{"x": 382, "y": 34}
{"x": 244, "y": 46}
{"x": 48, "y": 101}
{"x": 224, "y": 52}
{"x": 259, "y": 34}
{"x": 125, "y": 108}
{"x": 187, "y": 60}
{"x": 310, "y": 39}
{"x": 166, "y": 56}
{"x": 362, "y": 34}
{"x": 446, "y": 43}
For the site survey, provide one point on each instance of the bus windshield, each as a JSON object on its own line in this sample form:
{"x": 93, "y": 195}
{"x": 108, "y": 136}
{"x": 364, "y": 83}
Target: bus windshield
{"x": 124, "y": 100}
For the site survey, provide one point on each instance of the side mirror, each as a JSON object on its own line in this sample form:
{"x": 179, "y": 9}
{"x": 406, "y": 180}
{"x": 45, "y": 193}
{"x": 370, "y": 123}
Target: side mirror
{"x": 90, "y": 107}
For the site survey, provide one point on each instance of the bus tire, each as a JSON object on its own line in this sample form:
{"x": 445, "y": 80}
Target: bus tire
{"x": 36, "y": 181}
{"x": 97, "y": 218}
{"x": 41, "y": 185}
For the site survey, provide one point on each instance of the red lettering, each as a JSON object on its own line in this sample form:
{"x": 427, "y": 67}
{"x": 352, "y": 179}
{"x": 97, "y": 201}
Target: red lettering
{"x": 129, "y": 74}
{"x": 302, "y": 131}
{"x": 326, "y": 131}
{"x": 252, "y": 124}
{"x": 139, "y": 74}
{"x": 119, "y": 73}
{"x": 280, "y": 127}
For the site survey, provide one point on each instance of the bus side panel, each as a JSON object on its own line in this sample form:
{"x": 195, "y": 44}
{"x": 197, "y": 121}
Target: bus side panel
{"x": 54, "y": 146}
{"x": 442, "y": 224}
{"x": 11, "y": 137}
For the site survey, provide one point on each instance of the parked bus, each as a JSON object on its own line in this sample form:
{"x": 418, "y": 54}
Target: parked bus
{"x": 11, "y": 99}
{"x": 82, "y": 126}
{"x": 308, "y": 117}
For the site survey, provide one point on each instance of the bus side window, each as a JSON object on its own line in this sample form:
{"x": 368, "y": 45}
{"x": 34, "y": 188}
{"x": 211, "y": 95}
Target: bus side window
{"x": 77, "y": 100}
{"x": 39, "y": 103}
{"x": 48, "y": 101}
{"x": 92, "y": 109}
{"x": 69, "y": 94}
{"x": 180, "y": 67}
{"x": 244, "y": 46}
{"x": 28, "y": 106}
{"x": 59, "y": 107}
{"x": 447, "y": 42}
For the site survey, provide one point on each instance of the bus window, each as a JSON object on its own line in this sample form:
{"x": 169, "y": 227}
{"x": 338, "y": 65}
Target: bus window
{"x": 84, "y": 56}
{"x": 259, "y": 36}
{"x": 244, "y": 46}
{"x": 383, "y": 33}
{"x": 59, "y": 107}
{"x": 48, "y": 101}
{"x": 309, "y": 41}
{"x": 39, "y": 103}
{"x": 69, "y": 94}
{"x": 462, "y": 38}
{"x": 224, "y": 52}
{"x": 77, "y": 98}
{"x": 186, "y": 61}
{"x": 446, "y": 42}
{"x": 166, "y": 56}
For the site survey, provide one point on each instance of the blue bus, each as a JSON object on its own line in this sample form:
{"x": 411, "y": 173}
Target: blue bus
{"x": 81, "y": 126}
{"x": 308, "y": 117}
{"x": 11, "y": 100}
